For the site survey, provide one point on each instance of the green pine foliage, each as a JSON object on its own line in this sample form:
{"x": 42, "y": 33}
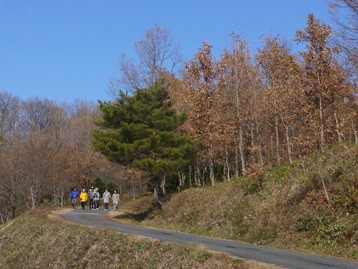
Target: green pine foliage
{"x": 141, "y": 131}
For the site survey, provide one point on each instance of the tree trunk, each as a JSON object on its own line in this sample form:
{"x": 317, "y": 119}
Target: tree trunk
{"x": 325, "y": 190}
{"x": 323, "y": 183}
{"x": 211, "y": 168}
{"x": 182, "y": 179}
{"x": 190, "y": 183}
{"x": 252, "y": 134}
{"x": 277, "y": 141}
{"x": 162, "y": 184}
{"x": 261, "y": 158}
{"x": 322, "y": 142}
{"x": 241, "y": 148}
{"x": 62, "y": 197}
{"x": 236, "y": 159}
{"x": 354, "y": 132}
{"x": 197, "y": 176}
{"x": 133, "y": 191}
{"x": 227, "y": 164}
{"x": 337, "y": 126}
{"x": 13, "y": 212}
{"x": 241, "y": 141}
{"x": 33, "y": 197}
{"x": 203, "y": 176}
{"x": 321, "y": 124}
{"x": 158, "y": 193}
{"x": 287, "y": 141}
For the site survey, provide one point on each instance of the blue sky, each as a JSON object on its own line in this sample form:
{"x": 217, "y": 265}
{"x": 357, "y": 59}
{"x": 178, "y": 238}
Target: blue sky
{"x": 64, "y": 50}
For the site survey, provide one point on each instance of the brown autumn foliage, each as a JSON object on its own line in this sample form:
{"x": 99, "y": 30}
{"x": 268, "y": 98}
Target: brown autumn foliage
{"x": 274, "y": 111}
{"x": 247, "y": 112}
{"x": 283, "y": 99}
{"x": 46, "y": 150}
{"x": 201, "y": 80}
{"x": 239, "y": 84}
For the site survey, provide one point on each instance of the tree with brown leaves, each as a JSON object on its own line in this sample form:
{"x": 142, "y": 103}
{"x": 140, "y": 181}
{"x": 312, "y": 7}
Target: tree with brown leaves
{"x": 326, "y": 84}
{"x": 201, "y": 78}
{"x": 237, "y": 81}
{"x": 281, "y": 75}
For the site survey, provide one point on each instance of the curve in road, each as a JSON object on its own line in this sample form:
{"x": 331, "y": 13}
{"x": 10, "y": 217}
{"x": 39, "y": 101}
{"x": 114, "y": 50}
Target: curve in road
{"x": 284, "y": 258}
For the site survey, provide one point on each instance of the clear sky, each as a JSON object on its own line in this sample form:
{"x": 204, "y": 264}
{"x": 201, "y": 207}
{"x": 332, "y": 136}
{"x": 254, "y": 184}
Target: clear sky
{"x": 64, "y": 50}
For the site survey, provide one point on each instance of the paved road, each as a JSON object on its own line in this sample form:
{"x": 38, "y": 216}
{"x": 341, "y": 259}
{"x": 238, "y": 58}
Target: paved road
{"x": 245, "y": 251}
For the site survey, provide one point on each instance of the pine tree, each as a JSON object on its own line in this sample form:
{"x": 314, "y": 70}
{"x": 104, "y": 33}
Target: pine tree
{"x": 141, "y": 131}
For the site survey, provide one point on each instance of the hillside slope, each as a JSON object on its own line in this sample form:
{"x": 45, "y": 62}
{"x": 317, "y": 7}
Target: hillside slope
{"x": 36, "y": 241}
{"x": 311, "y": 206}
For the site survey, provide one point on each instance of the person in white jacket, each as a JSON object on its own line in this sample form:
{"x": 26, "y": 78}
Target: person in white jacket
{"x": 115, "y": 200}
{"x": 96, "y": 196}
{"x": 106, "y": 198}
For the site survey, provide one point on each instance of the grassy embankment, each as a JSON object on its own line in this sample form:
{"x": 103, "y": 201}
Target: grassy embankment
{"x": 311, "y": 206}
{"x": 34, "y": 240}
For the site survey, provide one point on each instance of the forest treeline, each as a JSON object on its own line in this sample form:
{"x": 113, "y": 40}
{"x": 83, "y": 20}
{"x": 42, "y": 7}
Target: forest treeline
{"x": 275, "y": 108}
{"x": 45, "y": 150}
{"x": 247, "y": 111}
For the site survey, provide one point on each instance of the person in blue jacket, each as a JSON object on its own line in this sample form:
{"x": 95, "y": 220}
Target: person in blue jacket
{"x": 74, "y": 197}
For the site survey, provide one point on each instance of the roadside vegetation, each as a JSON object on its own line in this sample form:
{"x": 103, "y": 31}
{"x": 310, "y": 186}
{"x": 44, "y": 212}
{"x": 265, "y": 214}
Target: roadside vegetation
{"x": 310, "y": 206}
{"x": 176, "y": 124}
{"x": 257, "y": 146}
{"x": 34, "y": 240}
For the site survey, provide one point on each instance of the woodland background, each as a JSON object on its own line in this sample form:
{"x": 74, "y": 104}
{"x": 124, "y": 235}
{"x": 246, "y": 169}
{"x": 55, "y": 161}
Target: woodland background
{"x": 249, "y": 110}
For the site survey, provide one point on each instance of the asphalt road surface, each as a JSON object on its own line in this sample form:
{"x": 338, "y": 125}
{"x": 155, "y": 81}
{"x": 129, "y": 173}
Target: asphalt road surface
{"x": 283, "y": 258}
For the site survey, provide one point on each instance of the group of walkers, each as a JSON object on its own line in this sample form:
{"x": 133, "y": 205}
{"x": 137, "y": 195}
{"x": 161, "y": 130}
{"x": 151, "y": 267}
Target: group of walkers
{"x": 92, "y": 199}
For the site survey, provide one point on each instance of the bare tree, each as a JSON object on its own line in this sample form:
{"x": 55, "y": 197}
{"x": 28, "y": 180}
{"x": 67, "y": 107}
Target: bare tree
{"x": 345, "y": 15}
{"x": 41, "y": 140}
{"x": 158, "y": 56}
{"x": 9, "y": 109}
{"x": 12, "y": 191}
{"x": 11, "y": 195}
{"x": 81, "y": 125}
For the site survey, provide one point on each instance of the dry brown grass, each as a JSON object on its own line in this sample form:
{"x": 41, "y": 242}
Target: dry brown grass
{"x": 283, "y": 207}
{"x": 36, "y": 241}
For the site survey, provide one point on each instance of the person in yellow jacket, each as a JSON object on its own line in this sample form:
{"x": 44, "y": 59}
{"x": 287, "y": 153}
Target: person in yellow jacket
{"x": 83, "y": 198}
